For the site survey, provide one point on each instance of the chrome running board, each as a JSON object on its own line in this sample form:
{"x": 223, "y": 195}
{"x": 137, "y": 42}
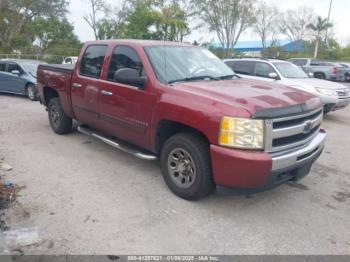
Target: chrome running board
{"x": 122, "y": 147}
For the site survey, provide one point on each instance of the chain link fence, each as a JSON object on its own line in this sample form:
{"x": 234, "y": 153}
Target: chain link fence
{"x": 52, "y": 59}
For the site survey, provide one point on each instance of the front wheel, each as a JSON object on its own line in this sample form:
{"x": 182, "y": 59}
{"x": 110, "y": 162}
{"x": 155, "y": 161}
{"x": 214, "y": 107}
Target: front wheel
{"x": 59, "y": 121}
{"x": 186, "y": 166}
{"x": 32, "y": 92}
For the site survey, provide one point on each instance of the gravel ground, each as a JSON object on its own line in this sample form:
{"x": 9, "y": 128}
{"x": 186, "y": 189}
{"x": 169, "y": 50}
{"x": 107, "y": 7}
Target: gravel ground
{"x": 88, "y": 198}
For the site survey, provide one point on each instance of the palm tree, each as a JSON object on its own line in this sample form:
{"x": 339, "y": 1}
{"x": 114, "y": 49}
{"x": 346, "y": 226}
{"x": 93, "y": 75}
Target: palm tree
{"x": 321, "y": 25}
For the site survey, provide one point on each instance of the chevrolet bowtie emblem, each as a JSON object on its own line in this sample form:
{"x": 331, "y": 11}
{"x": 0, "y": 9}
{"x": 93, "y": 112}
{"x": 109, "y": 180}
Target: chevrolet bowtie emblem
{"x": 307, "y": 127}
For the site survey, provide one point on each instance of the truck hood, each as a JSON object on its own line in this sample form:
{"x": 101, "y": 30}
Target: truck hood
{"x": 311, "y": 83}
{"x": 252, "y": 95}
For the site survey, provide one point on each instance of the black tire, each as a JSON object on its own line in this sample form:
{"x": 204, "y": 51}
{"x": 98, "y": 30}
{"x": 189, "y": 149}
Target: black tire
{"x": 201, "y": 184}
{"x": 320, "y": 76}
{"x": 60, "y": 123}
{"x": 32, "y": 92}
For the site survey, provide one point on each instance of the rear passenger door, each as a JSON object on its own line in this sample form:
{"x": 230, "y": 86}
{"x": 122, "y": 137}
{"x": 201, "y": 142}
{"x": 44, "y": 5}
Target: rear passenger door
{"x": 126, "y": 110}
{"x": 85, "y": 89}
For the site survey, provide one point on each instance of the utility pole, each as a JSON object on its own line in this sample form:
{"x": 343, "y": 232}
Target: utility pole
{"x": 328, "y": 19}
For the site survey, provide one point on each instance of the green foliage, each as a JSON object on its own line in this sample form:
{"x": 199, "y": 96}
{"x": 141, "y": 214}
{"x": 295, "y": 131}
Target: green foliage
{"x": 320, "y": 25}
{"x": 24, "y": 23}
{"x": 148, "y": 19}
{"x": 139, "y": 22}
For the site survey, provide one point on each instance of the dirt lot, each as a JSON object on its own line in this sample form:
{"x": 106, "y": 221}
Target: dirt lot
{"x": 86, "y": 197}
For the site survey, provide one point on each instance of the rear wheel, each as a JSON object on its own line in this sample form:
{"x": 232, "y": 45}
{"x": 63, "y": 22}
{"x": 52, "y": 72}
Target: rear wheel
{"x": 59, "y": 121}
{"x": 32, "y": 92}
{"x": 320, "y": 76}
{"x": 186, "y": 166}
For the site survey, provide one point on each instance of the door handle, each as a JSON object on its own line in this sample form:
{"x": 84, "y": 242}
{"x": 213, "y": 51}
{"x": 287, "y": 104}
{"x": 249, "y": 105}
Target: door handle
{"x": 76, "y": 85}
{"x": 106, "y": 93}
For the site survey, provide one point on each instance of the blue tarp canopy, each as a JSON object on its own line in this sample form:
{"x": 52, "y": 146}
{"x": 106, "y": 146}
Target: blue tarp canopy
{"x": 255, "y": 46}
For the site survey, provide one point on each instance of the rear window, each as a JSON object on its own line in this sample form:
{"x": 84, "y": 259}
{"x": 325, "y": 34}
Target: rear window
{"x": 244, "y": 67}
{"x": 92, "y": 61}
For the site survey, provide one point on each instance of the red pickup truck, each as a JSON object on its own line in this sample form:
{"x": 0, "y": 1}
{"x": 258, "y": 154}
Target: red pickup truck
{"x": 181, "y": 104}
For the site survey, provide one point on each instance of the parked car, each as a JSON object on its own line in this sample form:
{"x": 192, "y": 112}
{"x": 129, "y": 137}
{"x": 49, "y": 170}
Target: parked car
{"x": 347, "y": 74}
{"x": 333, "y": 95}
{"x": 19, "y": 77}
{"x": 70, "y": 60}
{"x": 321, "y": 69}
{"x": 182, "y": 104}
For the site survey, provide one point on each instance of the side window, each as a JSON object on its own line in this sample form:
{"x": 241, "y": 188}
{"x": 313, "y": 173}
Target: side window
{"x": 263, "y": 69}
{"x": 13, "y": 67}
{"x": 300, "y": 62}
{"x": 69, "y": 60}
{"x": 124, "y": 57}
{"x": 315, "y": 63}
{"x": 230, "y": 64}
{"x": 244, "y": 67}
{"x": 2, "y": 67}
{"x": 92, "y": 61}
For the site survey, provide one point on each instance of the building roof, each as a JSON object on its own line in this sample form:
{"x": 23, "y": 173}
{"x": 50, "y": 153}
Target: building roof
{"x": 253, "y": 46}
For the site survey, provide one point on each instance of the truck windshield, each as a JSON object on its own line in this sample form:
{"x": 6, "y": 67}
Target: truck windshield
{"x": 289, "y": 70}
{"x": 179, "y": 64}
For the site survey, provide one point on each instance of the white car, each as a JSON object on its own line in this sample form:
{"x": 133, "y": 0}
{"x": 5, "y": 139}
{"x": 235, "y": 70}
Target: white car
{"x": 70, "y": 60}
{"x": 333, "y": 95}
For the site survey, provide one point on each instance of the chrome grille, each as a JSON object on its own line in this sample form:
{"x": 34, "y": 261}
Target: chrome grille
{"x": 343, "y": 93}
{"x": 291, "y": 132}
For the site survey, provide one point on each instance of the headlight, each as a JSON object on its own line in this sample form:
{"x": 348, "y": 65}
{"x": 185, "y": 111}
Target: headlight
{"x": 242, "y": 133}
{"x": 326, "y": 91}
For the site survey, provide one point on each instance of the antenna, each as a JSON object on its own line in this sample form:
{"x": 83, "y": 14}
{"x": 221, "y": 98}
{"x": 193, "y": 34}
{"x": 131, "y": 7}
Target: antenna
{"x": 164, "y": 39}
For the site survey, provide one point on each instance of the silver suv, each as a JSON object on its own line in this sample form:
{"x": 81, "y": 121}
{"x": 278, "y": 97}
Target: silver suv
{"x": 333, "y": 95}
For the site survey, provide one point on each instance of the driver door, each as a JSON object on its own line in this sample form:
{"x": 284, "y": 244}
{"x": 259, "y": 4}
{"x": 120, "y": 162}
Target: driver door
{"x": 15, "y": 84}
{"x": 126, "y": 110}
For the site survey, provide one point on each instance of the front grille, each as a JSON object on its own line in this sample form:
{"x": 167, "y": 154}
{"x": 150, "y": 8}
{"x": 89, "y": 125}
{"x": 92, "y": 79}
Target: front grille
{"x": 291, "y": 132}
{"x": 343, "y": 93}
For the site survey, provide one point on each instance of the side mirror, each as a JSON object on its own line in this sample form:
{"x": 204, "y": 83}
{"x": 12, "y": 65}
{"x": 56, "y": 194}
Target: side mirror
{"x": 130, "y": 76}
{"x": 311, "y": 75}
{"x": 273, "y": 76}
{"x": 15, "y": 72}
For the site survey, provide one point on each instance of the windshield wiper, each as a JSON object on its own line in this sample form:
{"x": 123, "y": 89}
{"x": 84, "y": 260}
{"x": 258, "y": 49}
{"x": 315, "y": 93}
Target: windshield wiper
{"x": 194, "y": 78}
{"x": 228, "y": 77}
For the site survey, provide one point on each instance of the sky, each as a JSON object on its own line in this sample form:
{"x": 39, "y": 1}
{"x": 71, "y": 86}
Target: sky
{"x": 340, "y": 17}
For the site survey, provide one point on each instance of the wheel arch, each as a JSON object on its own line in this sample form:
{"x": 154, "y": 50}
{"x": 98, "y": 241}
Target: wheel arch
{"x": 168, "y": 128}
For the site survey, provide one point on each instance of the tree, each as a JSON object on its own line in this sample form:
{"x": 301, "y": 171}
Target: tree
{"x": 265, "y": 22}
{"x": 140, "y": 20}
{"x": 96, "y": 6}
{"x": 321, "y": 25}
{"x": 293, "y": 23}
{"x": 111, "y": 26}
{"x": 52, "y": 32}
{"x": 171, "y": 22}
{"x": 16, "y": 17}
{"x": 228, "y": 18}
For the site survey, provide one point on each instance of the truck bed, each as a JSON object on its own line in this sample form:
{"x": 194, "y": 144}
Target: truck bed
{"x": 58, "y": 68}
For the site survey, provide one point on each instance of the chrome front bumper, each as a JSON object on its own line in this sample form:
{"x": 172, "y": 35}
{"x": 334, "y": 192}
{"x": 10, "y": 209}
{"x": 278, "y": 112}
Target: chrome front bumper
{"x": 343, "y": 102}
{"x": 283, "y": 160}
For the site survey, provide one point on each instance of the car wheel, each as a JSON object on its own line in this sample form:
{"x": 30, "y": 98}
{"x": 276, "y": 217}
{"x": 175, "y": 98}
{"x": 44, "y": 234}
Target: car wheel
{"x": 320, "y": 76}
{"x": 186, "y": 166}
{"x": 59, "y": 121}
{"x": 32, "y": 92}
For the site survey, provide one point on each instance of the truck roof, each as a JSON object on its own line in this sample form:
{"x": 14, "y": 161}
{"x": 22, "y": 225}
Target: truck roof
{"x": 140, "y": 42}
